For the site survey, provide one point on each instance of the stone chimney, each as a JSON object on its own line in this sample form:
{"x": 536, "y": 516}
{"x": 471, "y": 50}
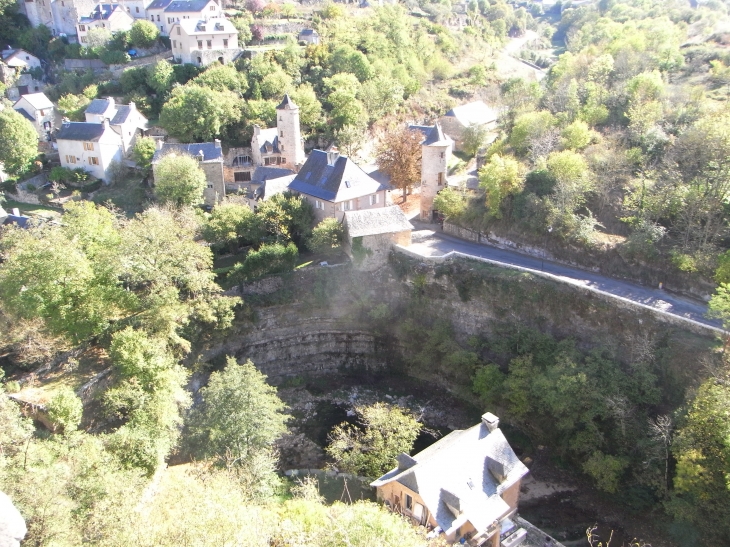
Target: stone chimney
{"x": 217, "y": 143}
{"x": 132, "y": 106}
{"x": 332, "y": 154}
{"x": 256, "y": 130}
{"x": 491, "y": 421}
{"x": 16, "y": 212}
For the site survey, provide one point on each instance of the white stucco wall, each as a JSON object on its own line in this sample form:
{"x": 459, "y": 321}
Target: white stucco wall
{"x": 107, "y": 149}
{"x": 188, "y": 47}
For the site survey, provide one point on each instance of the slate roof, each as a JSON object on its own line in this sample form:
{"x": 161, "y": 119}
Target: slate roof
{"x": 286, "y": 103}
{"x": 275, "y": 186}
{"x": 80, "y": 131}
{"x": 39, "y": 101}
{"x": 22, "y": 112}
{"x": 12, "y": 57}
{"x": 101, "y": 12}
{"x": 267, "y": 136}
{"x": 464, "y": 465}
{"x": 186, "y": 5}
{"x": 380, "y": 220}
{"x": 308, "y": 32}
{"x": 99, "y": 106}
{"x": 210, "y": 151}
{"x": 159, "y": 4}
{"x": 212, "y": 26}
{"x": 341, "y": 181}
{"x": 478, "y": 113}
{"x": 264, "y": 173}
{"x": 433, "y": 135}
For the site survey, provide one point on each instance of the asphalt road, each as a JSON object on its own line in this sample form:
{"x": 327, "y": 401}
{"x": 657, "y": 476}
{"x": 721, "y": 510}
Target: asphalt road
{"x": 433, "y": 244}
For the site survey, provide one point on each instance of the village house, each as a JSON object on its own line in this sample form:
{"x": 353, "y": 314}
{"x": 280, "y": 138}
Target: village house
{"x": 112, "y": 17}
{"x": 436, "y": 149}
{"x": 20, "y": 59}
{"x": 281, "y": 145}
{"x": 478, "y": 113}
{"x": 17, "y": 73}
{"x": 165, "y": 13}
{"x": 465, "y": 486}
{"x": 39, "y": 110}
{"x": 371, "y": 233}
{"x": 308, "y": 36}
{"x": 125, "y": 120}
{"x": 210, "y": 156}
{"x": 200, "y": 42}
{"x": 90, "y": 146}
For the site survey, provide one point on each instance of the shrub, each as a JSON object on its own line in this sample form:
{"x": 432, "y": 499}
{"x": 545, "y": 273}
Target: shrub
{"x": 326, "y": 236}
{"x": 269, "y": 259}
{"x": 143, "y": 33}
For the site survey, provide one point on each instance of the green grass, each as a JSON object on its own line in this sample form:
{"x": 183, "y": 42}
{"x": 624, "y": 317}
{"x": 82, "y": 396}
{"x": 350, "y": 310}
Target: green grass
{"x": 129, "y": 195}
{"x": 32, "y": 210}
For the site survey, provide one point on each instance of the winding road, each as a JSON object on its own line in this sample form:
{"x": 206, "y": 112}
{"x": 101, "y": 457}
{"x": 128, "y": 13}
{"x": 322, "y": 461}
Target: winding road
{"x": 430, "y": 244}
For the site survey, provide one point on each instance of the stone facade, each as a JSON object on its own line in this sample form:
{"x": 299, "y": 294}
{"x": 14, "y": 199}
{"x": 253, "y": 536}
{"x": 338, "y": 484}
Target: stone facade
{"x": 290, "y": 135}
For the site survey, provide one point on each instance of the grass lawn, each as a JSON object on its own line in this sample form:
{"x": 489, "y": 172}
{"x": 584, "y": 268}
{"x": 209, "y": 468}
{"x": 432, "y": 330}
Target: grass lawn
{"x": 129, "y": 195}
{"x": 32, "y": 210}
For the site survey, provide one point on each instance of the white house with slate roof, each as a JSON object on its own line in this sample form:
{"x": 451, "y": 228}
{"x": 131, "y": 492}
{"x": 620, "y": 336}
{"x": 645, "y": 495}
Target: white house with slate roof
{"x": 20, "y": 59}
{"x": 466, "y": 485}
{"x": 125, "y": 120}
{"x": 91, "y": 146}
{"x": 456, "y": 120}
{"x": 39, "y": 110}
{"x": 165, "y": 13}
{"x": 200, "y": 42}
{"x": 112, "y": 17}
{"x": 334, "y": 184}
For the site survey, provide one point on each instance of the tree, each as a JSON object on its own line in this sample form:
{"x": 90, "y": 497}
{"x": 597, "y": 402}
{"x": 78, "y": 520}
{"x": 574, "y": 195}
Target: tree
{"x": 239, "y": 413}
{"x": 500, "y": 177}
{"x": 65, "y": 410}
{"x": 98, "y": 37}
{"x": 143, "y": 33}
{"x": 270, "y": 258}
{"x": 18, "y": 142}
{"x": 399, "y": 156}
{"x": 143, "y": 151}
{"x": 450, "y": 202}
{"x": 370, "y": 448}
{"x": 350, "y": 139}
{"x": 475, "y": 136}
{"x": 230, "y": 222}
{"x": 222, "y": 78}
{"x": 287, "y": 217}
{"x": 73, "y": 106}
{"x": 530, "y": 128}
{"x": 572, "y": 180}
{"x": 195, "y": 112}
{"x": 576, "y": 136}
{"x": 326, "y": 236}
{"x": 179, "y": 180}
{"x": 160, "y": 76}
{"x": 310, "y": 109}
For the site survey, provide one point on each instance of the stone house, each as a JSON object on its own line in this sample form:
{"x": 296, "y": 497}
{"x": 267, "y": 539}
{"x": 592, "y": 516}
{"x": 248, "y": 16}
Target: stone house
{"x": 20, "y": 59}
{"x": 282, "y": 145}
{"x": 91, "y": 146}
{"x": 456, "y": 120}
{"x": 165, "y": 13}
{"x": 200, "y": 42}
{"x": 308, "y": 36}
{"x": 112, "y": 17}
{"x": 126, "y": 120}
{"x": 210, "y": 156}
{"x": 39, "y": 110}
{"x": 15, "y": 73}
{"x": 436, "y": 149}
{"x": 371, "y": 233}
{"x": 334, "y": 184}
{"x": 466, "y": 485}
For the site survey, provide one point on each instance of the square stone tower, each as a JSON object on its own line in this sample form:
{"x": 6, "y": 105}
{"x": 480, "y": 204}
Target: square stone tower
{"x": 289, "y": 134}
{"x": 435, "y": 154}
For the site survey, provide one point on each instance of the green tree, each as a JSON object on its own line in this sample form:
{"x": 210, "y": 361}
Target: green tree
{"x": 399, "y": 156}
{"x": 143, "y": 151}
{"x": 475, "y": 136}
{"x": 222, "y": 78}
{"x": 73, "y": 106}
{"x": 451, "y": 203}
{"x": 230, "y": 222}
{"x": 287, "y": 217}
{"x": 576, "y": 136}
{"x": 65, "y": 410}
{"x": 310, "y": 109}
{"x": 350, "y": 139}
{"x": 326, "y": 236}
{"x": 143, "y": 33}
{"x": 572, "y": 179}
{"x": 270, "y": 258}
{"x": 179, "y": 180}
{"x": 500, "y": 177}
{"x": 18, "y": 142}
{"x": 384, "y": 431}
{"x": 529, "y": 129}
{"x": 160, "y": 76}
{"x": 239, "y": 413}
{"x": 195, "y": 112}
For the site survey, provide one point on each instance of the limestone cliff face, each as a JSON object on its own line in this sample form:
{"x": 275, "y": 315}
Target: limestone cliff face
{"x": 323, "y": 321}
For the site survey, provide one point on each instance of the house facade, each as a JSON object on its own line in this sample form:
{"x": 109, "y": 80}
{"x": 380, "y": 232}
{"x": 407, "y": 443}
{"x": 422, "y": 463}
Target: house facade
{"x": 90, "y": 146}
{"x": 165, "y": 13}
{"x": 39, "y": 110}
{"x": 210, "y": 156}
{"x": 112, "y": 17}
{"x": 125, "y": 120}
{"x": 465, "y": 486}
{"x": 202, "y": 42}
{"x": 282, "y": 145}
{"x": 308, "y": 36}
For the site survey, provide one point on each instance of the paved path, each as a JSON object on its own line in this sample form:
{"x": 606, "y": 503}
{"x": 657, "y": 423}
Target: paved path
{"x": 427, "y": 243}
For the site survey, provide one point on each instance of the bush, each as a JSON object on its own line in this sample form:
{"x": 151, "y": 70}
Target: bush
{"x": 111, "y": 57}
{"x": 269, "y": 259}
{"x": 143, "y": 33}
{"x": 326, "y": 236}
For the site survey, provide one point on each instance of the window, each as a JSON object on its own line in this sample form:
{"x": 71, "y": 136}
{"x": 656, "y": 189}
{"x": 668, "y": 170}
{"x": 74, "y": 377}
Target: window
{"x": 210, "y": 186}
{"x": 267, "y": 161}
{"x": 178, "y": 31}
{"x": 346, "y": 206}
{"x": 317, "y": 204}
{"x": 42, "y": 113}
{"x": 152, "y": 17}
{"x": 200, "y": 44}
{"x": 136, "y": 10}
{"x": 225, "y": 42}
{"x": 27, "y": 58}
{"x": 212, "y": 8}
{"x": 93, "y": 160}
{"x": 374, "y": 199}
{"x": 443, "y": 155}
{"x": 158, "y": 18}
{"x": 242, "y": 176}
{"x": 441, "y": 179}
{"x": 89, "y": 146}
{"x": 409, "y": 502}
{"x": 281, "y": 133}
{"x": 209, "y": 43}
{"x": 82, "y": 28}
{"x": 70, "y": 159}
{"x": 174, "y": 44}
{"x": 241, "y": 160}
{"x": 283, "y": 160}
{"x": 162, "y": 29}
{"x": 83, "y": 39}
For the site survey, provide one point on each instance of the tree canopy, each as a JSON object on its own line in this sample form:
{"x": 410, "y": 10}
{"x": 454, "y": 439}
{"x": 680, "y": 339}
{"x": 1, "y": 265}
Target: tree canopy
{"x": 179, "y": 179}
{"x": 18, "y": 142}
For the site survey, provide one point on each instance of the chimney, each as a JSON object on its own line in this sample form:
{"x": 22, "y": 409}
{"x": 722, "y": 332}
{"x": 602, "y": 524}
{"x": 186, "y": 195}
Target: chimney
{"x": 16, "y": 212}
{"x": 256, "y": 129}
{"x": 105, "y": 122}
{"x": 332, "y": 154}
{"x": 132, "y": 106}
{"x": 217, "y": 143}
{"x": 159, "y": 142}
{"x": 491, "y": 421}
{"x": 201, "y": 155}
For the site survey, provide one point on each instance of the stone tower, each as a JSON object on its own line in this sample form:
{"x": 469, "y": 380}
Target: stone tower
{"x": 435, "y": 155}
{"x": 289, "y": 134}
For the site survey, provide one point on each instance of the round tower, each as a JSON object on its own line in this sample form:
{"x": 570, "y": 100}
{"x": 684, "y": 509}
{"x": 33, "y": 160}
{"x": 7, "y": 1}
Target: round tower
{"x": 435, "y": 155}
{"x": 289, "y": 134}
